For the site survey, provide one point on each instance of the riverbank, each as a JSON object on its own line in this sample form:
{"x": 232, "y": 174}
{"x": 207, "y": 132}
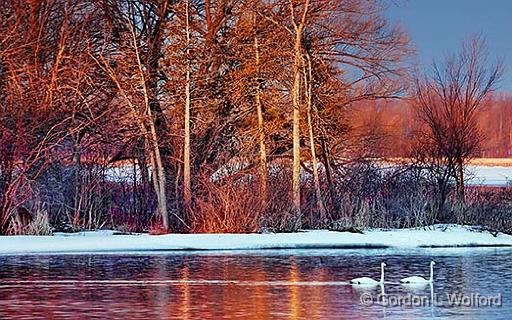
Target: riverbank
{"x": 107, "y": 241}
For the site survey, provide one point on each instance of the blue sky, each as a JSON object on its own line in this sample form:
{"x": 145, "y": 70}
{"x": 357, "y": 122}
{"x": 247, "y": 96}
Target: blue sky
{"x": 438, "y": 27}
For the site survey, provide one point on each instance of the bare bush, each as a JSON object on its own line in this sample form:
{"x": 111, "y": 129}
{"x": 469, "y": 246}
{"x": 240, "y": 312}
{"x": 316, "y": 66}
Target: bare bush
{"x": 228, "y": 208}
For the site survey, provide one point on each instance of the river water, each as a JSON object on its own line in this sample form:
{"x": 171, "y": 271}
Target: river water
{"x": 279, "y": 284}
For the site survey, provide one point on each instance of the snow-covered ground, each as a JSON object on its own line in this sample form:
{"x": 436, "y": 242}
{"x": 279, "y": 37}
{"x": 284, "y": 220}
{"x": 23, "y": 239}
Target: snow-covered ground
{"x": 105, "y": 241}
{"x": 489, "y": 176}
{"x": 477, "y": 174}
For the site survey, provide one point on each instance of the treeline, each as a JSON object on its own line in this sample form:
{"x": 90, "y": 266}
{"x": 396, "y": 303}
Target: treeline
{"x": 230, "y": 115}
{"x": 391, "y": 121}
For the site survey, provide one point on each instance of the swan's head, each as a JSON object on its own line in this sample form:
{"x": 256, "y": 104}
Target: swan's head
{"x": 383, "y": 264}
{"x": 432, "y": 263}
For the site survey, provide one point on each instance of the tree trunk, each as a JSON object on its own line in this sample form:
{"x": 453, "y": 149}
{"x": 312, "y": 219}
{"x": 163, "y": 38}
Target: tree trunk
{"x": 296, "y": 98}
{"x": 308, "y": 79}
{"x": 158, "y": 176}
{"x": 259, "y": 110}
{"x": 77, "y": 157}
{"x": 146, "y": 123}
{"x": 296, "y": 129}
{"x": 156, "y": 158}
{"x": 460, "y": 182}
{"x": 328, "y": 174}
{"x": 186, "y": 148}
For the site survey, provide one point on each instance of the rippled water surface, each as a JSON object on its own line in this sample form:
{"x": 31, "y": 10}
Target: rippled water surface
{"x": 301, "y": 284}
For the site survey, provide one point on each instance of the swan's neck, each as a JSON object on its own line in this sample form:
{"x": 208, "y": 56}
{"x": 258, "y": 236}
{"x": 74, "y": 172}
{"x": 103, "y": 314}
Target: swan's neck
{"x": 382, "y": 274}
{"x": 432, "y": 294}
{"x": 431, "y": 272}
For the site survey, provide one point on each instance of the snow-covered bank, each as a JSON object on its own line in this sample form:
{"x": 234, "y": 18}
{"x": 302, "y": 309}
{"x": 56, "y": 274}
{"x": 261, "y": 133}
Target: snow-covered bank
{"x": 435, "y": 236}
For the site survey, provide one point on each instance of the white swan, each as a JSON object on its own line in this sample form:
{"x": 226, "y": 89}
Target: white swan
{"x": 370, "y": 281}
{"x": 420, "y": 280}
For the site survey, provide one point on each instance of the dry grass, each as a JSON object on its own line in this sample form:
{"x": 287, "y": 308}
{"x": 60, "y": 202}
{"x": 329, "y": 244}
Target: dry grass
{"x": 39, "y": 226}
{"x": 492, "y": 162}
{"x": 485, "y": 162}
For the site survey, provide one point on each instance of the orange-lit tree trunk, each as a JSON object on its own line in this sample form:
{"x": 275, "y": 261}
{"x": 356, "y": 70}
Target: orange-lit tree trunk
{"x": 145, "y": 121}
{"x": 155, "y": 155}
{"x": 308, "y": 83}
{"x": 186, "y": 148}
{"x": 298, "y": 61}
{"x": 259, "y": 111}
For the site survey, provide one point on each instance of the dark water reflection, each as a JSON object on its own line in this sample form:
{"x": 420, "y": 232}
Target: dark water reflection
{"x": 301, "y": 284}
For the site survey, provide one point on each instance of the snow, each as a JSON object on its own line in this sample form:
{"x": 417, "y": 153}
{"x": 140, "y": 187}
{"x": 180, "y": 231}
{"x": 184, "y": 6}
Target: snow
{"x": 489, "y": 176}
{"x": 123, "y": 173}
{"x": 477, "y": 175}
{"x": 106, "y": 241}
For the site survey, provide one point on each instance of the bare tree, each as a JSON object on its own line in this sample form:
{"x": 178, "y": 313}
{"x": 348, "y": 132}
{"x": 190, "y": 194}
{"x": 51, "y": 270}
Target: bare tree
{"x": 129, "y": 77}
{"x": 448, "y": 102}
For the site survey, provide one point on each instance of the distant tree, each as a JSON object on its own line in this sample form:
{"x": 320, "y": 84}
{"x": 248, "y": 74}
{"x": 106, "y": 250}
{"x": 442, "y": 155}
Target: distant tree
{"x": 448, "y": 101}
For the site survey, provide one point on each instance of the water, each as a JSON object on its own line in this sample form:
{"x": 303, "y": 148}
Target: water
{"x": 297, "y": 284}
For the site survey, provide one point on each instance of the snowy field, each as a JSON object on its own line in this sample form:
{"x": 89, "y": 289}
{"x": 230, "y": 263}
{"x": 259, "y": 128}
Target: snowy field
{"x": 106, "y": 241}
{"x": 489, "y": 176}
{"x": 477, "y": 175}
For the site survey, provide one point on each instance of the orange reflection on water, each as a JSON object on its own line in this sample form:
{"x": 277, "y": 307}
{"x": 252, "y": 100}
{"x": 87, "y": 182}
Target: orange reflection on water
{"x": 219, "y": 286}
{"x": 294, "y": 291}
